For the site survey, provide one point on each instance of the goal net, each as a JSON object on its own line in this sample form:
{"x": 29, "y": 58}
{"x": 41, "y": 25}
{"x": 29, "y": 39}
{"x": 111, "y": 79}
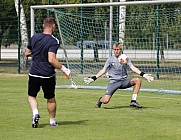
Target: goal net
{"x": 149, "y": 30}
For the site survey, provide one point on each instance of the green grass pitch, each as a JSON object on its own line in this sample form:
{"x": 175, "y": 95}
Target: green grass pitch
{"x": 159, "y": 119}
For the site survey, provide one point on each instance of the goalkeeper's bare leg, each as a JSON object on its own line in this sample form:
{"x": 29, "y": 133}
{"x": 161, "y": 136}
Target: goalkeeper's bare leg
{"x": 112, "y": 87}
{"x": 105, "y": 99}
{"x": 136, "y": 82}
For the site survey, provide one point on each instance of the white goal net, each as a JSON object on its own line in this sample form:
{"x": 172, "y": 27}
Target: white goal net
{"x": 150, "y": 31}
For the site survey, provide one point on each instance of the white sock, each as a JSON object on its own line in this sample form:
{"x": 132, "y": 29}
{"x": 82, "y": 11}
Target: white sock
{"x": 35, "y": 111}
{"x": 52, "y": 120}
{"x": 134, "y": 96}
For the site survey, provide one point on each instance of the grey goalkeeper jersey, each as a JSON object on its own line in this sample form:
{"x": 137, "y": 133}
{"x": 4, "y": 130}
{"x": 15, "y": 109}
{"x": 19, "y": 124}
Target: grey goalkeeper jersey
{"x": 116, "y": 70}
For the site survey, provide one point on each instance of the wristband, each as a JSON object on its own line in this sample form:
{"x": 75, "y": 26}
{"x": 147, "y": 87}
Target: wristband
{"x": 63, "y": 68}
{"x": 142, "y": 73}
{"x": 94, "y": 78}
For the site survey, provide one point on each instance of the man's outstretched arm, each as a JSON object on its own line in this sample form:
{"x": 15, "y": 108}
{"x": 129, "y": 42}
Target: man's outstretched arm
{"x": 89, "y": 80}
{"x": 148, "y": 77}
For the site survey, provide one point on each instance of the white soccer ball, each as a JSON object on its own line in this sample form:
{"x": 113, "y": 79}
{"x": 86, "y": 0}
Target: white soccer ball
{"x": 123, "y": 59}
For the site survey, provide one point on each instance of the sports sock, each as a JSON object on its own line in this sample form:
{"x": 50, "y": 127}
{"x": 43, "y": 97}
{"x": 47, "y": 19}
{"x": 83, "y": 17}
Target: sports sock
{"x": 100, "y": 99}
{"x": 134, "y": 96}
{"x": 52, "y": 120}
{"x": 99, "y": 102}
{"x": 35, "y": 111}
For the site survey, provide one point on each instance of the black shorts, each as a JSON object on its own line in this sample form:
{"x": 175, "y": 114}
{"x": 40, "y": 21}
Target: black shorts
{"x": 47, "y": 84}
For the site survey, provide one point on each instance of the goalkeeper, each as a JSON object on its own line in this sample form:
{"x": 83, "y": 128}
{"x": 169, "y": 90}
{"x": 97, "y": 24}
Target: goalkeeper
{"x": 118, "y": 78}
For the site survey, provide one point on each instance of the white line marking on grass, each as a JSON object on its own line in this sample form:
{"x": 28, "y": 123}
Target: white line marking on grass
{"x": 161, "y": 98}
{"x": 156, "y": 98}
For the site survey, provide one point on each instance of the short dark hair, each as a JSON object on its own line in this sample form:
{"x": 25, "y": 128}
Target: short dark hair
{"x": 48, "y": 21}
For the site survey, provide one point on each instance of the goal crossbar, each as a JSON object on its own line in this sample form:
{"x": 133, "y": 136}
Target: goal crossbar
{"x": 104, "y": 4}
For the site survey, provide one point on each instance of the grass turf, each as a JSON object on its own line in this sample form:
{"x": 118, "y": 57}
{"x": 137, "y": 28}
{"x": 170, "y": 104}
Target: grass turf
{"x": 78, "y": 119}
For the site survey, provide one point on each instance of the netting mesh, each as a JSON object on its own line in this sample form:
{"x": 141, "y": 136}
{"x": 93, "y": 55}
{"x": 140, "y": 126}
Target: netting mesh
{"x": 152, "y": 41}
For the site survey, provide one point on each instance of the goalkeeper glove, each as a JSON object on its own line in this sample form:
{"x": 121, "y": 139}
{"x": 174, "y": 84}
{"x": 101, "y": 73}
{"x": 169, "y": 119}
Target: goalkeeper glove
{"x": 89, "y": 80}
{"x": 65, "y": 71}
{"x": 147, "y": 76}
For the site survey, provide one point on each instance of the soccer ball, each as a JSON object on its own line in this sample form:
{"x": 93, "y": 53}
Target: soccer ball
{"x": 123, "y": 59}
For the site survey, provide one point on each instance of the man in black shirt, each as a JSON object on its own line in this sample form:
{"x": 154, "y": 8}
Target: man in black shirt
{"x": 43, "y": 49}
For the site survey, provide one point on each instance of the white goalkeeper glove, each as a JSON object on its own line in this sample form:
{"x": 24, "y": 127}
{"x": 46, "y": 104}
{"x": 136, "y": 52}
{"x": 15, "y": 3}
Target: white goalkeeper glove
{"x": 147, "y": 76}
{"x": 89, "y": 80}
{"x": 65, "y": 71}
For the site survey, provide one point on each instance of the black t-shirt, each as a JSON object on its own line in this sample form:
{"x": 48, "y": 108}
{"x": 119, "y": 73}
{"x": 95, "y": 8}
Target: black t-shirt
{"x": 40, "y": 45}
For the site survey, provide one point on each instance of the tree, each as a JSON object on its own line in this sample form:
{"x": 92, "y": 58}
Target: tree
{"x": 24, "y": 33}
{"x": 7, "y": 24}
{"x": 7, "y": 20}
{"x": 122, "y": 18}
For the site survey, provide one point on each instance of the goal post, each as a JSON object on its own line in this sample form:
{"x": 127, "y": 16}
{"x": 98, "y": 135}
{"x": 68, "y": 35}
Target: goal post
{"x": 150, "y": 30}
{"x": 73, "y": 85}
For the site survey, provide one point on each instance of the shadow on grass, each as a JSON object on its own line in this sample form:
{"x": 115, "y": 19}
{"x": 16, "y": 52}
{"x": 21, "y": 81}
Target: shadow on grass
{"x": 65, "y": 123}
{"x": 119, "y": 107}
